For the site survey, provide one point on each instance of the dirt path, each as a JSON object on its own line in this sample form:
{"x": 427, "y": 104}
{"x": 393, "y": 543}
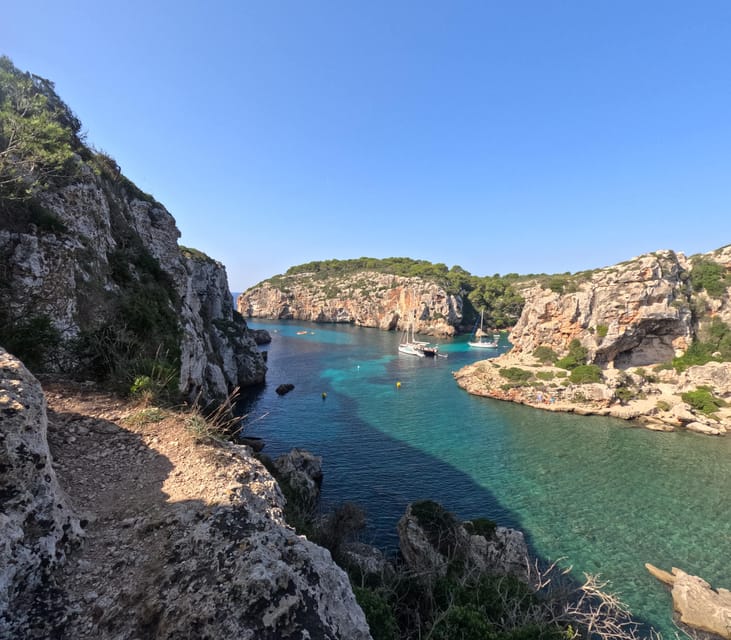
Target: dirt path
{"x": 133, "y": 474}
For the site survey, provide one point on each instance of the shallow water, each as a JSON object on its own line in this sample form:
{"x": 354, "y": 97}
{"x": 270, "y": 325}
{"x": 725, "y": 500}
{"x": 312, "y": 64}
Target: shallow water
{"x": 600, "y": 493}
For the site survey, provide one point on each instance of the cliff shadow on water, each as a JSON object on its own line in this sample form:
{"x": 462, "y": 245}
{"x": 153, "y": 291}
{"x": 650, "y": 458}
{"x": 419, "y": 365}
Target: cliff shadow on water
{"x": 384, "y": 446}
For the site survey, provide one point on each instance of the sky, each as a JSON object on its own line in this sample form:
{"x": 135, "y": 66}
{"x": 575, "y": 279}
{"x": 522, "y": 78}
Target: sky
{"x": 522, "y": 136}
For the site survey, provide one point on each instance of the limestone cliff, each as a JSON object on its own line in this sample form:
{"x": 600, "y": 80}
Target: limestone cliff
{"x": 365, "y": 298}
{"x": 655, "y": 329}
{"x": 634, "y": 313}
{"x": 93, "y": 279}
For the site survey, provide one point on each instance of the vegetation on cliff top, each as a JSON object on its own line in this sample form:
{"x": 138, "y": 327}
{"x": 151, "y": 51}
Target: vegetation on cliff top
{"x": 497, "y": 295}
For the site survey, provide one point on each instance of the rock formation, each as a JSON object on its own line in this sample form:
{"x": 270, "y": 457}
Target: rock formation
{"x": 92, "y": 273}
{"x": 633, "y": 314}
{"x": 630, "y": 321}
{"x": 698, "y": 605}
{"x": 37, "y": 527}
{"x": 366, "y": 299}
{"x": 428, "y": 547}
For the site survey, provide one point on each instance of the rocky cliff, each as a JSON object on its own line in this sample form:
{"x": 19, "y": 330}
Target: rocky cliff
{"x": 183, "y": 536}
{"x": 92, "y": 277}
{"x": 654, "y": 332}
{"x": 365, "y": 298}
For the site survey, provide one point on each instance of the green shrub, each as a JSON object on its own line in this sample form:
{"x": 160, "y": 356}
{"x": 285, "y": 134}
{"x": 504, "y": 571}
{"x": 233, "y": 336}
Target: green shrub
{"x": 545, "y": 354}
{"x": 515, "y": 374}
{"x": 545, "y": 375}
{"x": 662, "y": 405}
{"x": 34, "y": 339}
{"x": 576, "y": 356}
{"x": 378, "y": 612}
{"x": 703, "y": 400}
{"x": 480, "y": 527}
{"x": 439, "y": 525}
{"x": 586, "y": 373}
{"x": 710, "y": 276}
{"x": 602, "y": 330}
{"x": 624, "y": 394}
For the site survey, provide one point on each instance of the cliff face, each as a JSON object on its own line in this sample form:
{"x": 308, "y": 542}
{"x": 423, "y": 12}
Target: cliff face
{"x": 102, "y": 267}
{"x": 367, "y": 299}
{"x": 631, "y": 314}
{"x": 631, "y": 320}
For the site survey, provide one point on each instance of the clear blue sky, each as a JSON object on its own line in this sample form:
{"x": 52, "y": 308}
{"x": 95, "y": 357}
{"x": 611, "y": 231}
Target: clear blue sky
{"x": 533, "y": 136}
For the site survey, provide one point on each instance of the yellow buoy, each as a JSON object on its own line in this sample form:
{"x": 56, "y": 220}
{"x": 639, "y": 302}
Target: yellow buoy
{"x": 324, "y": 395}
{"x": 398, "y": 384}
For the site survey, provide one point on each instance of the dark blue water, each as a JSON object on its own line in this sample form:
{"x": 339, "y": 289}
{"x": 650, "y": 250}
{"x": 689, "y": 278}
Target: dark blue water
{"x": 601, "y": 494}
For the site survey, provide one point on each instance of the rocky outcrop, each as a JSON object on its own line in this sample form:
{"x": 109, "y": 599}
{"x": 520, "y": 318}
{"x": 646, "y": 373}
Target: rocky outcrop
{"x": 93, "y": 278}
{"x": 630, "y": 321}
{"x": 429, "y": 544}
{"x": 37, "y": 526}
{"x": 302, "y": 471}
{"x": 632, "y": 314}
{"x": 111, "y": 259}
{"x": 366, "y": 299}
{"x": 696, "y": 603}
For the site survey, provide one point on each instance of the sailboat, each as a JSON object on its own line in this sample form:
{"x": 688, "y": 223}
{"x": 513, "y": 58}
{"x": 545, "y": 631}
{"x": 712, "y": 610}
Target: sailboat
{"x": 482, "y": 340}
{"x": 410, "y": 346}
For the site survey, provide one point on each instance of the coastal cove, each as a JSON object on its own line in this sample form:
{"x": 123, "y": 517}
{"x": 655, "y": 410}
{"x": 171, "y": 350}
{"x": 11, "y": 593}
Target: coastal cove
{"x": 601, "y": 493}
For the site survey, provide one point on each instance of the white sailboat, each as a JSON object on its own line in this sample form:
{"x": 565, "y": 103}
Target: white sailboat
{"x": 408, "y": 345}
{"x": 482, "y": 340}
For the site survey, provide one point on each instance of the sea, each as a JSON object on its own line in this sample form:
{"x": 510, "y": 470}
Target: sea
{"x": 600, "y": 495}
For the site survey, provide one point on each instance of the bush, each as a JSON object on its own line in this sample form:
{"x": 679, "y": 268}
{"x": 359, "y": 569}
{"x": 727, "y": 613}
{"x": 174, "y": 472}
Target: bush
{"x": 545, "y": 375}
{"x": 662, "y": 405}
{"x": 710, "y": 276}
{"x": 624, "y": 394}
{"x": 703, "y": 400}
{"x": 602, "y": 330}
{"x": 586, "y": 373}
{"x": 34, "y": 340}
{"x": 480, "y": 527}
{"x": 515, "y": 374}
{"x": 545, "y": 354}
{"x": 439, "y": 525}
{"x": 576, "y": 356}
{"x": 378, "y": 613}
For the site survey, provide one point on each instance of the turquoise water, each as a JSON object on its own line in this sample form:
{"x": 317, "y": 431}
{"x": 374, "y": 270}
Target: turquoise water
{"x": 600, "y": 493}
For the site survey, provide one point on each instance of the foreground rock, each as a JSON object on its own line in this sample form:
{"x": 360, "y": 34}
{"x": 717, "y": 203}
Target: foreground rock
{"x": 697, "y": 604}
{"x": 185, "y": 534}
{"x": 430, "y": 539}
{"x": 38, "y": 529}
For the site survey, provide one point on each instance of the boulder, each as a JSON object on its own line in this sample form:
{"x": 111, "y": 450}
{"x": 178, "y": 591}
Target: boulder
{"x": 697, "y": 604}
{"x": 37, "y": 525}
{"x": 284, "y": 389}
{"x": 303, "y": 473}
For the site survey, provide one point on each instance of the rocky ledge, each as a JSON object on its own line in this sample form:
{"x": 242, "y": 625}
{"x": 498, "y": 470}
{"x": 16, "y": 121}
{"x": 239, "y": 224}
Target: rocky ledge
{"x": 184, "y": 533}
{"x": 656, "y": 401}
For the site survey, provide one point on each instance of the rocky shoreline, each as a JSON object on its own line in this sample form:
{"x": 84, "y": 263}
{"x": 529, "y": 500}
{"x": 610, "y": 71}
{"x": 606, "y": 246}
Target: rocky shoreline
{"x": 657, "y": 403}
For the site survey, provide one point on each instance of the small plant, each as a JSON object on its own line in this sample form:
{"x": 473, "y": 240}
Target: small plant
{"x": 545, "y": 375}
{"x": 662, "y": 405}
{"x": 148, "y": 415}
{"x": 602, "y": 330}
